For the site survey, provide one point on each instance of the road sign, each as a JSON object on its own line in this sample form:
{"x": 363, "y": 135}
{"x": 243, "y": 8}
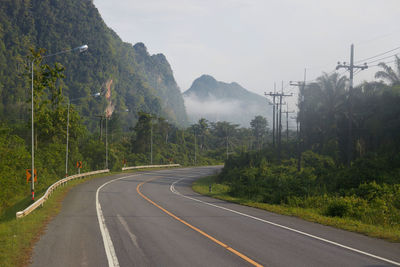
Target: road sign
{"x": 79, "y": 164}
{"x": 29, "y": 175}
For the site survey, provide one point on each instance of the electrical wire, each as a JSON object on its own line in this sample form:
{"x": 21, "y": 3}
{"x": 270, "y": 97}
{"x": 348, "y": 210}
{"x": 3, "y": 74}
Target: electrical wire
{"x": 363, "y": 60}
{"x": 382, "y": 62}
{"x": 376, "y": 60}
{"x": 378, "y": 55}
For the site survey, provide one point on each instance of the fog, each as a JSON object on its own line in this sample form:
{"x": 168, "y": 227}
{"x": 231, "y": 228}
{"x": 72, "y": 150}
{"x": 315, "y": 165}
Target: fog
{"x": 257, "y": 42}
{"x": 233, "y": 111}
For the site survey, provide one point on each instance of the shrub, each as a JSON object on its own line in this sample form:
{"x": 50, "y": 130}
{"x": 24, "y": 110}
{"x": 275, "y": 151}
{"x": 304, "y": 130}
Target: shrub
{"x": 337, "y": 208}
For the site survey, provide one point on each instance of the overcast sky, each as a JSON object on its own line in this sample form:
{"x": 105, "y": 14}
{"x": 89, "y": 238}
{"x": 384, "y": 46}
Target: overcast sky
{"x": 257, "y": 42}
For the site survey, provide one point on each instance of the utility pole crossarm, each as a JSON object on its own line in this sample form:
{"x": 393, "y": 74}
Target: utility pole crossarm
{"x": 350, "y": 68}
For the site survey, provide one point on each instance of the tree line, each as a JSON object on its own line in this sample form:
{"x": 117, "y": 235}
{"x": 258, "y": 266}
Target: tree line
{"x": 151, "y": 139}
{"x": 367, "y": 189}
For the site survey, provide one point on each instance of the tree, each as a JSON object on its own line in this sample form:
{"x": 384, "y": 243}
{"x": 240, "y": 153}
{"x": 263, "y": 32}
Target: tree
{"x": 140, "y": 142}
{"x": 324, "y": 112}
{"x": 50, "y": 108}
{"x": 202, "y": 132}
{"x": 388, "y": 74}
{"x": 259, "y": 128}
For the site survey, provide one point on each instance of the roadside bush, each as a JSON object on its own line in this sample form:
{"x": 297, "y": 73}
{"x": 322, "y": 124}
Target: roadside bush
{"x": 337, "y": 208}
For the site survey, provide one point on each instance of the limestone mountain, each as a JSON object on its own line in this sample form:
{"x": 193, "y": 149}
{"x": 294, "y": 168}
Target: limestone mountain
{"x": 138, "y": 81}
{"x": 220, "y": 101}
{"x": 158, "y": 73}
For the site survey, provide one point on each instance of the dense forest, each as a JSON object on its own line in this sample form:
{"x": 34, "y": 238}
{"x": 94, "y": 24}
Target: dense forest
{"x": 135, "y": 80}
{"x": 325, "y": 168}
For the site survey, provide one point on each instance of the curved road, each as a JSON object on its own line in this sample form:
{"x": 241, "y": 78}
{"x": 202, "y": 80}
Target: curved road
{"x": 155, "y": 219}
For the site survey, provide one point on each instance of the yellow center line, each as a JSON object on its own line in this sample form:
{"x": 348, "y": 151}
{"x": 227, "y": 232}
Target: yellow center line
{"x": 244, "y": 257}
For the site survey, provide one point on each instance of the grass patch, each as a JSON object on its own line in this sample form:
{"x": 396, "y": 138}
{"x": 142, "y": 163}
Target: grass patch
{"x": 17, "y": 237}
{"x": 221, "y": 191}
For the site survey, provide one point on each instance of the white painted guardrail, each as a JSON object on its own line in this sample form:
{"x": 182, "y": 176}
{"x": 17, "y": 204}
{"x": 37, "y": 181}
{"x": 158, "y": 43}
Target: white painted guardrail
{"x": 150, "y": 166}
{"x": 49, "y": 190}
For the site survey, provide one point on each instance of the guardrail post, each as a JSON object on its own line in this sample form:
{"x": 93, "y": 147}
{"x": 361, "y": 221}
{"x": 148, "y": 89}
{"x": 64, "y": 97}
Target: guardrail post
{"x": 49, "y": 191}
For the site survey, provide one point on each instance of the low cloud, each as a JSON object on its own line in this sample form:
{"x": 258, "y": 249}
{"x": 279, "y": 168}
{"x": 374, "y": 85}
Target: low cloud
{"x": 211, "y": 106}
{"x": 214, "y": 110}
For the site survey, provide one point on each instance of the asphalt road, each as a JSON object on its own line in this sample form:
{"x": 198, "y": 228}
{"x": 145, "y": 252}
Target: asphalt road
{"x": 155, "y": 219}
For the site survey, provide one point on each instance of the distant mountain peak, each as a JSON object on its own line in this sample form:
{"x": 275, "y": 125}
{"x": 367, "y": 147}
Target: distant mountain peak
{"x": 206, "y": 86}
{"x": 216, "y": 100}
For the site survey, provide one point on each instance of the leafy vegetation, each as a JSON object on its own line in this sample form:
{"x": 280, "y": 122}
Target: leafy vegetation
{"x": 152, "y": 139}
{"x": 134, "y": 80}
{"x": 366, "y": 191}
{"x": 221, "y": 191}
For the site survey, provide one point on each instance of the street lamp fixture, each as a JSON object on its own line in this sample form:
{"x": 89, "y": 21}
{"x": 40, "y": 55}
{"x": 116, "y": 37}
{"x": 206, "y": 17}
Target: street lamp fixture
{"x": 81, "y": 49}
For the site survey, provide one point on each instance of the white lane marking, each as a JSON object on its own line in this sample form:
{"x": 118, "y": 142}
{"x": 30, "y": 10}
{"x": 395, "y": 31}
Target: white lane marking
{"x": 126, "y": 227}
{"x": 108, "y": 244}
{"x": 173, "y": 190}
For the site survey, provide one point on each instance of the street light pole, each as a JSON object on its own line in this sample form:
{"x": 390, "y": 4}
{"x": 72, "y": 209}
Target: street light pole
{"x": 106, "y": 145}
{"x": 81, "y": 49}
{"x": 195, "y": 148}
{"x": 66, "y": 151}
{"x": 33, "y": 146}
{"x": 151, "y": 141}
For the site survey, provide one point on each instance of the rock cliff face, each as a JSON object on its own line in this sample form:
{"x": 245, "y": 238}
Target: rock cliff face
{"x": 159, "y": 75}
{"x": 219, "y": 101}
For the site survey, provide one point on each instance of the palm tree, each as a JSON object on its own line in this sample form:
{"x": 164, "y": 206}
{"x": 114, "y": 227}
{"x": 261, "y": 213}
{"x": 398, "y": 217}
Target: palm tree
{"x": 388, "y": 74}
{"x": 324, "y": 108}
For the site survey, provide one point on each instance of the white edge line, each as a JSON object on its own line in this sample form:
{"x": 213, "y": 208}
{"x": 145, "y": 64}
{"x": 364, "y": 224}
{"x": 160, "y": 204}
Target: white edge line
{"x": 108, "y": 244}
{"x": 172, "y": 189}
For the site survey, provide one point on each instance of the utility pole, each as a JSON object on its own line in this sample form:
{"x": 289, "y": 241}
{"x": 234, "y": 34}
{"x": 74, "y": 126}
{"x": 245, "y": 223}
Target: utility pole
{"x": 227, "y": 148}
{"x": 287, "y": 122}
{"x": 276, "y": 121}
{"x": 106, "y": 144}
{"x": 302, "y": 86}
{"x": 273, "y": 113}
{"x": 281, "y": 95}
{"x": 195, "y": 148}
{"x": 277, "y": 131}
{"x": 151, "y": 141}
{"x": 351, "y": 68}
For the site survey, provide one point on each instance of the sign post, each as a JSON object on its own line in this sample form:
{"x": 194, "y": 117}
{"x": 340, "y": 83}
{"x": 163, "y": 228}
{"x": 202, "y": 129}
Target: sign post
{"x": 29, "y": 176}
{"x": 79, "y": 166}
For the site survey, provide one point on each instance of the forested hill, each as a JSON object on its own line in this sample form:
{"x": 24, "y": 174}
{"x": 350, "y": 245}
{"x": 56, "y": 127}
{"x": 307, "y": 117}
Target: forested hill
{"x": 136, "y": 80}
{"x": 219, "y": 101}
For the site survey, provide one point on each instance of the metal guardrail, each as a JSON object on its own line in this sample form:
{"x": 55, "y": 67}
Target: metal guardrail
{"x": 150, "y": 166}
{"x": 49, "y": 190}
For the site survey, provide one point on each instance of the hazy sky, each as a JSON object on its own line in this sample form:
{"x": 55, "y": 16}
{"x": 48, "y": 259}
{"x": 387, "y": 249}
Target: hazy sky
{"x": 257, "y": 42}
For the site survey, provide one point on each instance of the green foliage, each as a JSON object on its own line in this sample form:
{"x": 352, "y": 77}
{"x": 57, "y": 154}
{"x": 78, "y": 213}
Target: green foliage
{"x": 140, "y": 82}
{"x": 320, "y": 184}
{"x": 14, "y": 159}
{"x": 259, "y": 129}
{"x": 338, "y": 208}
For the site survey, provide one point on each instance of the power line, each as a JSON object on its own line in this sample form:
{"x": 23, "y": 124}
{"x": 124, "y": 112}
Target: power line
{"x": 378, "y": 55}
{"x": 388, "y": 62}
{"x": 379, "y": 59}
